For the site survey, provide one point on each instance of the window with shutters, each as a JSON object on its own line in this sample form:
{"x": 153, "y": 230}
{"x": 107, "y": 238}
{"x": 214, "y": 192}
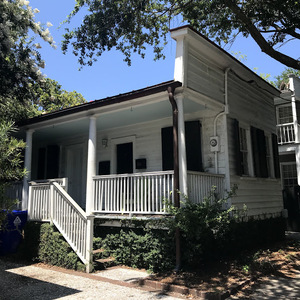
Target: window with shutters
{"x": 256, "y": 152}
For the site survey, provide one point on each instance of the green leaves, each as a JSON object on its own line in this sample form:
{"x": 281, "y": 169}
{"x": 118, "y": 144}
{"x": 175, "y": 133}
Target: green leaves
{"x": 133, "y": 26}
{"x": 10, "y": 154}
{"x": 49, "y": 96}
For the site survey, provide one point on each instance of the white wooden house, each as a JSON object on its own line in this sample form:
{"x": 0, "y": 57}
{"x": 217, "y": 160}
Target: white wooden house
{"x": 113, "y": 158}
{"x": 288, "y": 116}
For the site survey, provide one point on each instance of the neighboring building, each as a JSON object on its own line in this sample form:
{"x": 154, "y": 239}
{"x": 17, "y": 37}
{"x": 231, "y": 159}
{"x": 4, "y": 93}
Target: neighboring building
{"x": 288, "y": 116}
{"x": 114, "y": 156}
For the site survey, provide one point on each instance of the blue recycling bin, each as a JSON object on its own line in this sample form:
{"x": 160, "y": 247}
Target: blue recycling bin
{"x": 11, "y": 236}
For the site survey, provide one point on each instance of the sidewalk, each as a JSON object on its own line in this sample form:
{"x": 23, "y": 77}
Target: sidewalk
{"x": 35, "y": 282}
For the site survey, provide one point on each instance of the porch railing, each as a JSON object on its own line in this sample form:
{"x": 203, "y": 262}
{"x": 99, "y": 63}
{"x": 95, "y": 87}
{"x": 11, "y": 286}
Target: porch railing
{"x": 200, "y": 185}
{"x": 138, "y": 193}
{"x": 39, "y": 198}
{"x": 286, "y": 133}
{"x": 145, "y": 193}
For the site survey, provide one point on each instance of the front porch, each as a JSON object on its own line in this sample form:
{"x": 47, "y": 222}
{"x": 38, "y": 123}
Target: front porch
{"x": 137, "y": 194}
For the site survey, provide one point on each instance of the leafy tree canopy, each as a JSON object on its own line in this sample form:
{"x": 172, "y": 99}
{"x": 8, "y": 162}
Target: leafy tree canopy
{"x": 24, "y": 92}
{"x": 130, "y": 26}
{"x": 49, "y": 96}
{"x": 20, "y": 60}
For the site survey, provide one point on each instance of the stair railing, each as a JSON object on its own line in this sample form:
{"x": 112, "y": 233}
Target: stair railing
{"x": 73, "y": 223}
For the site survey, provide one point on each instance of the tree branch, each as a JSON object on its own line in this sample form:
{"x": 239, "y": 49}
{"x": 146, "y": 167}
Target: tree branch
{"x": 259, "y": 39}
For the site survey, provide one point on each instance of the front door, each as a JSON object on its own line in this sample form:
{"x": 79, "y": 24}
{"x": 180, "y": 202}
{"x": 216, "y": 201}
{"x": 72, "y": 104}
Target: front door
{"x": 75, "y": 173}
{"x": 124, "y": 158}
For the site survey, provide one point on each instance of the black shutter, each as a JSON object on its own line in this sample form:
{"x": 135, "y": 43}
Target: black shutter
{"x": 167, "y": 148}
{"x": 193, "y": 146}
{"x": 52, "y": 161}
{"x": 237, "y": 151}
{"x": 275, "y": 155}
{"x": 259, "y": 152}
{"x": 41, "y": 163}
{"x": 192, "y": 143}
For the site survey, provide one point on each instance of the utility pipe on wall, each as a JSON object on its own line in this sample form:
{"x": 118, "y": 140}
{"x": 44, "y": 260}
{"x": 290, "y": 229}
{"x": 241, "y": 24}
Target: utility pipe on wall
{"x": 226, "y": 111}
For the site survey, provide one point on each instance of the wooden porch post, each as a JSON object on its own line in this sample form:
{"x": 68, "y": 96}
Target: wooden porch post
{"x": 183, "y": 183}
{"x": 27, "y": 166}
{"x": 91, "y": 165}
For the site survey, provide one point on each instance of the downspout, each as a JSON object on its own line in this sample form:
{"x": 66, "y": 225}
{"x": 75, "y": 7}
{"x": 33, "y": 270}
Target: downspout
{"x": 176, "y": 171}
{"x": 226, "y": 111}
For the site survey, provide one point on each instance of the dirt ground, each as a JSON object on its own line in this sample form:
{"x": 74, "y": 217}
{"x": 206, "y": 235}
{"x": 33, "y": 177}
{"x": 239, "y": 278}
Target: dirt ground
{"x": 280, "y": 260}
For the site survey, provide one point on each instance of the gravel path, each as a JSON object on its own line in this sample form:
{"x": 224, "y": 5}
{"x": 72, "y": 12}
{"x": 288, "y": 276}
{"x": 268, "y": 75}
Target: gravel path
{"x": 35, "y": 282}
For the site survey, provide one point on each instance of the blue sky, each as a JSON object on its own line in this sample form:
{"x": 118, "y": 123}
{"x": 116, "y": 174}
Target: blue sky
{"x": 110, "y": 75}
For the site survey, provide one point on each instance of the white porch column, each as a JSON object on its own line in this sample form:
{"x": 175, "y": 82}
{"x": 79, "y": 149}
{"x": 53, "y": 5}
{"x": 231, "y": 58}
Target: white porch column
{"x": 181, "y": 148}
{"x": 27, "y": 166}
{"x": 91, "y": 164}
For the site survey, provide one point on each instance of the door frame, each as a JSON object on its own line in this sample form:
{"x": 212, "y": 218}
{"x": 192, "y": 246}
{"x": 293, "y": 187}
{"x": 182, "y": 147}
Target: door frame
{"x": 121, "y": 140}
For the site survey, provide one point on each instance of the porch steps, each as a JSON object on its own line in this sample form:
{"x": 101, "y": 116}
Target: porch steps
{"x": 98, "y": 251}
{"x": 101, "y": 262}
{"x": 105, "y": 260}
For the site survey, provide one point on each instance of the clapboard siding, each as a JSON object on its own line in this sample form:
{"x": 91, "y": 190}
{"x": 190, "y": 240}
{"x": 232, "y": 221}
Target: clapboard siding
{"x": 203, "y": 76}
{"x": 251, "y": 106}
{"x": 257, "y": 106}
{"x": 258, "y": 194}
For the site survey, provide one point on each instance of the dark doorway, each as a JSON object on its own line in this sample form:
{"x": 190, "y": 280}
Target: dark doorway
{"x": 124, "y": 158}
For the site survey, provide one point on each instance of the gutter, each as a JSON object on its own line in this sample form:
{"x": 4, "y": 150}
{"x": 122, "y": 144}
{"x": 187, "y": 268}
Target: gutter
{"x": 176, "y": 171}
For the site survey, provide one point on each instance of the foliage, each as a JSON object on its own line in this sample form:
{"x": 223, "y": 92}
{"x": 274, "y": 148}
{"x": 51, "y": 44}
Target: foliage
{"x": 284, "y": 76}
{"x": 19, "y": 57}
{"x": 10, "y": 165}
{"x": 203, "y": 226}
{"x": 149, "y": 248}
{"x": 49, "y": 96}
{"x": 131, "y": 26}
{"x": 54, "y": 250}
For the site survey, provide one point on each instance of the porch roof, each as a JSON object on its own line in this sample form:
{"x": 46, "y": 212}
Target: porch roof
{"x": 89, "y": 106}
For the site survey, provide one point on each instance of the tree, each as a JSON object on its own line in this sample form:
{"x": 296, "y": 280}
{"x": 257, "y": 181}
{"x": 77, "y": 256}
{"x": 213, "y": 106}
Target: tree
{"x": 10, "y": 165}
{"x": 283, "y": 78}
{"x": 49, "y": 96}
{"x": 132, "y": 25}
{"x": 20, "y": 60}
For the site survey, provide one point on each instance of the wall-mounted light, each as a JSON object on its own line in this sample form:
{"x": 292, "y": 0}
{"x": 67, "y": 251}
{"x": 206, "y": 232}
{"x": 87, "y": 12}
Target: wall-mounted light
{"x": 104, "y": 143}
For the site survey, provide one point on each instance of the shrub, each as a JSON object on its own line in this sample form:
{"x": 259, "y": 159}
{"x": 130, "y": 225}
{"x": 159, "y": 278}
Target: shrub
{"x": 54, "y": 250}
{"x": 150, "y": 249}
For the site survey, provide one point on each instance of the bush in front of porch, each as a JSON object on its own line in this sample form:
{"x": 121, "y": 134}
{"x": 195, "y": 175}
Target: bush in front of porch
{"x": 42, "y": 242}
